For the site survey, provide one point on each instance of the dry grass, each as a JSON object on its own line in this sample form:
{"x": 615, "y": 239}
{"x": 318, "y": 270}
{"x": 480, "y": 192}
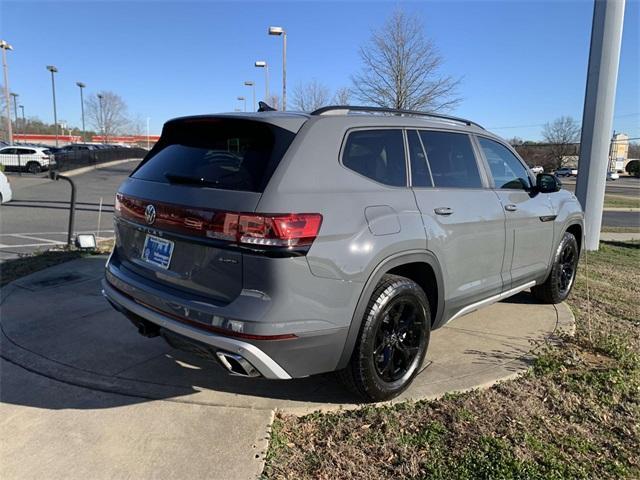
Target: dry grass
{"x": 11, "y": 270}
{"x": 621, "y": 201}
{"x": 576, "y": 415}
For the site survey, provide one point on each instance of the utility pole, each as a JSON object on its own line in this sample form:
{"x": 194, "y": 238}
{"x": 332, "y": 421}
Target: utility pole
{"x": 5, "y": 46}
{"x": 597, "y": 120}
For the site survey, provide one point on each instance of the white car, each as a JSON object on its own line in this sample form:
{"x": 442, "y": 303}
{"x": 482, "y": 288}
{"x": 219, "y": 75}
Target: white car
{"x": 612, "y": 176}
{"x": 26, "y": 158}
{"x": 567, "y": 172}
{"x": 537, "y": 169}
{"x": 5, "y": 189}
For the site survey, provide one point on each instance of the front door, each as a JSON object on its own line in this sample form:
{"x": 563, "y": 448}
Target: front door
{"x": 529, "y": 215}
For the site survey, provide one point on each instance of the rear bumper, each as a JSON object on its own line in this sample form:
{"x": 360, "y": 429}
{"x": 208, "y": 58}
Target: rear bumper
{"x": 267, "y": 367}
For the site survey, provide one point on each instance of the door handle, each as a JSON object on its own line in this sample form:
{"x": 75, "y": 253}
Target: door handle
{"x": 443, "y": 211}
{"x": 511, "y": 207}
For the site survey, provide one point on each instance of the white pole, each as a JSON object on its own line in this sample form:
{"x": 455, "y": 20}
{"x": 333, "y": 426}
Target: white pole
{"x": 4, "y": 48}
{"x": 147, "y": 133}
{"x": 597, "y": 120}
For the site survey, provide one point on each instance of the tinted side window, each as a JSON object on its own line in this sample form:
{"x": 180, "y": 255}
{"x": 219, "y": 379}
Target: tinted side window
{"x": 451, "y": 159}
{"x": 377, "y": 154}
{"x": 506, "y": 169}
{"x": 25, "y": 151}
{"x": 420, "y": 176}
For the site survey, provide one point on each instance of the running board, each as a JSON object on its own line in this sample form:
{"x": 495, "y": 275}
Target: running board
{"x": 488, "y": 301}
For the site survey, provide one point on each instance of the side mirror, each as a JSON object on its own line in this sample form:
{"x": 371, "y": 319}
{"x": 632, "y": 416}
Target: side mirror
{"x": 547, "y": 183}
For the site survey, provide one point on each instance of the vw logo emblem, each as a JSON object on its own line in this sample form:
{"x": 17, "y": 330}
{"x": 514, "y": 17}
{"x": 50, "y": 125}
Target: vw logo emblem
{"x": 150, "y": 214}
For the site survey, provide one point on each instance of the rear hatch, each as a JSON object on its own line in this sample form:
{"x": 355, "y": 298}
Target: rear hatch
{"x": 177, "y": 215}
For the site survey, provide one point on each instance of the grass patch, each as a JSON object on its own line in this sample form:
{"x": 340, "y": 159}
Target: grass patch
{"x": 620, "y": 229}
{"x": 13, "y": 269}
{"x": 620, "y": 201}
{"x": 576, "y": 415}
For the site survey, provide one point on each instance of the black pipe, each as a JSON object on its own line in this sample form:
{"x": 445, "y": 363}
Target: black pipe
{"x": 54, "y": 175}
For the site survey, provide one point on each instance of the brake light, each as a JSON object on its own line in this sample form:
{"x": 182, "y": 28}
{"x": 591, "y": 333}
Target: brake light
{"x": 259, "y": 230}
{"x": 292, "y": 230}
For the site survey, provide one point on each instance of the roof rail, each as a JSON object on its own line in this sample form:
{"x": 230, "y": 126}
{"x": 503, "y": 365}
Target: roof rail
{"x": 396, "y": 111}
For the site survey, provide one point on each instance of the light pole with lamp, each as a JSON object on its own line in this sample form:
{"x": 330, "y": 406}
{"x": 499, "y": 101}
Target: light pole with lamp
{"x": 263, "y": 64}
{"x": 102, "y": 128}
{"x": 243, "y": 99}
{"x": 15, "y": 108}
{"x": 24, "y": 121}
{"x": 81, "y": 86}
{"x": 278, "y": 31}
{"x": 5, "y": 46}
{"x": 252, "y": 84}
{"x": 53, "y": 71}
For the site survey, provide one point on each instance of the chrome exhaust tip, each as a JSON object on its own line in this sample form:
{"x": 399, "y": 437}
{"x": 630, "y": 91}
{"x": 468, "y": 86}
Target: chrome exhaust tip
{"x": 237, "y": 365}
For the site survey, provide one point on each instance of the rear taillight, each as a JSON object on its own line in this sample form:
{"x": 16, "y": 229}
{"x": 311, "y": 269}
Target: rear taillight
{"x": 287, "y": 230}
{"x": 290, "y": 230}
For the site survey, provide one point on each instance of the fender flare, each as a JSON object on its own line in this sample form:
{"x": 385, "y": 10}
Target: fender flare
{"x": 402, "y": 258}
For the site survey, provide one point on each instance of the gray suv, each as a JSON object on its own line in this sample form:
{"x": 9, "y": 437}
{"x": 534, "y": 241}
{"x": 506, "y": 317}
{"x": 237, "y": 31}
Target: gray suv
{"x": 285, "y": 245}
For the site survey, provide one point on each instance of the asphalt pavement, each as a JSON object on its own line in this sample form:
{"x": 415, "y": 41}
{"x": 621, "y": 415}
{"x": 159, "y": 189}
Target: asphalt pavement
{"x": 38, "y": 216}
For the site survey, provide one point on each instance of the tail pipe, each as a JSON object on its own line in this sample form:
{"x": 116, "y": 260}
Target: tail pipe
{"x": 236, "y": 364}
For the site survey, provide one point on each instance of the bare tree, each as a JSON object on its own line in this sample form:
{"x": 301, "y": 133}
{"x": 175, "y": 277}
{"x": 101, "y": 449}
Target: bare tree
{"x": 514, "y": 141}
{"x": 401, "y": 69}
{"x": 562, "y": 135}
{"x": 342, "y": 96}
{"x": 310, "y": 96}
{"x": 108, "y": 115}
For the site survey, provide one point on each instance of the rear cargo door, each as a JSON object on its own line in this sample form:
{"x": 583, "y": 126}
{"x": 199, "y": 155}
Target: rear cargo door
{"x": 171, "y": 211}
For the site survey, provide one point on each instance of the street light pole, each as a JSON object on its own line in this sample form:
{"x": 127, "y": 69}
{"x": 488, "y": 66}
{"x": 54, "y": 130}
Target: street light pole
{"x": 148, "y": 133}
{"x": 5, "y": 46}
{"x": 280, "y": 31}
{"x": 24, "y": 122}
{"x": 243, "y": 99}
{"x": 101, "y": 119}
{"x": 53, "y": 70}
{"x": 81, "y": 86}
{"x": 263, "y": 64}
{"x": 15, "y": 107}
{"x": 252, "y": 84}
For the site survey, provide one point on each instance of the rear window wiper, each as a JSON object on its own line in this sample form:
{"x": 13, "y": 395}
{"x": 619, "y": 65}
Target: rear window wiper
{"x": 189, "y": 180}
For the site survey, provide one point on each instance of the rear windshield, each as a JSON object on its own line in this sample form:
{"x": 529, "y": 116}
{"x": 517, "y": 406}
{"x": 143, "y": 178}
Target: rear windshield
{"x": 232, "y": 154}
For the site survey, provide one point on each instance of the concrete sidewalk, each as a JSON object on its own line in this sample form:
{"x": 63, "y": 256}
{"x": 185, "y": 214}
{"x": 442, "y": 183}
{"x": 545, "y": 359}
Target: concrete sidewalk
{"x": 84, "y": 395}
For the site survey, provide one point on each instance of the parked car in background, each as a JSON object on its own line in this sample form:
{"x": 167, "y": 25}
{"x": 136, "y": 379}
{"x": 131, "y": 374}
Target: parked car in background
{"x": 26, "y": 158}
{"x": 5, "y": 189}
{"x": 537, "y": 169}
{"x": 566, "y": 172}
{"x": 285, "y": 245}
{"x": 613, "y": 176}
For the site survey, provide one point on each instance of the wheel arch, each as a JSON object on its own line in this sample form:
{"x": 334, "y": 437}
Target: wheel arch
{"x": 420, "y": 266}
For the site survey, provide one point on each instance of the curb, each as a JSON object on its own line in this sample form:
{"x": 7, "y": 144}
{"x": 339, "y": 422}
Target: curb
{"x": 81, "y": 170}
{"x": 621, "y": 209}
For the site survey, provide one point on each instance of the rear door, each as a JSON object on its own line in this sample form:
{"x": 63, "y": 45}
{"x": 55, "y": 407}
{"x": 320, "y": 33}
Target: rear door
{"x": 463, "y": 219}
{"x": 171, "y": 214}
{"x": 529, "y": 215}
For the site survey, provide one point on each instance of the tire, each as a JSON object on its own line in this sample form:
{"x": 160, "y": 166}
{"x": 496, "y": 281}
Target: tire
{"x": 563, "y": 272}
{"x": 393, "y": 340}
{"x": 34, "y": 167}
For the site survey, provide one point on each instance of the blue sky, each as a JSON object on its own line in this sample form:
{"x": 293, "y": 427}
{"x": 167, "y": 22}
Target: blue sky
{"x": 522, "y": 63}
